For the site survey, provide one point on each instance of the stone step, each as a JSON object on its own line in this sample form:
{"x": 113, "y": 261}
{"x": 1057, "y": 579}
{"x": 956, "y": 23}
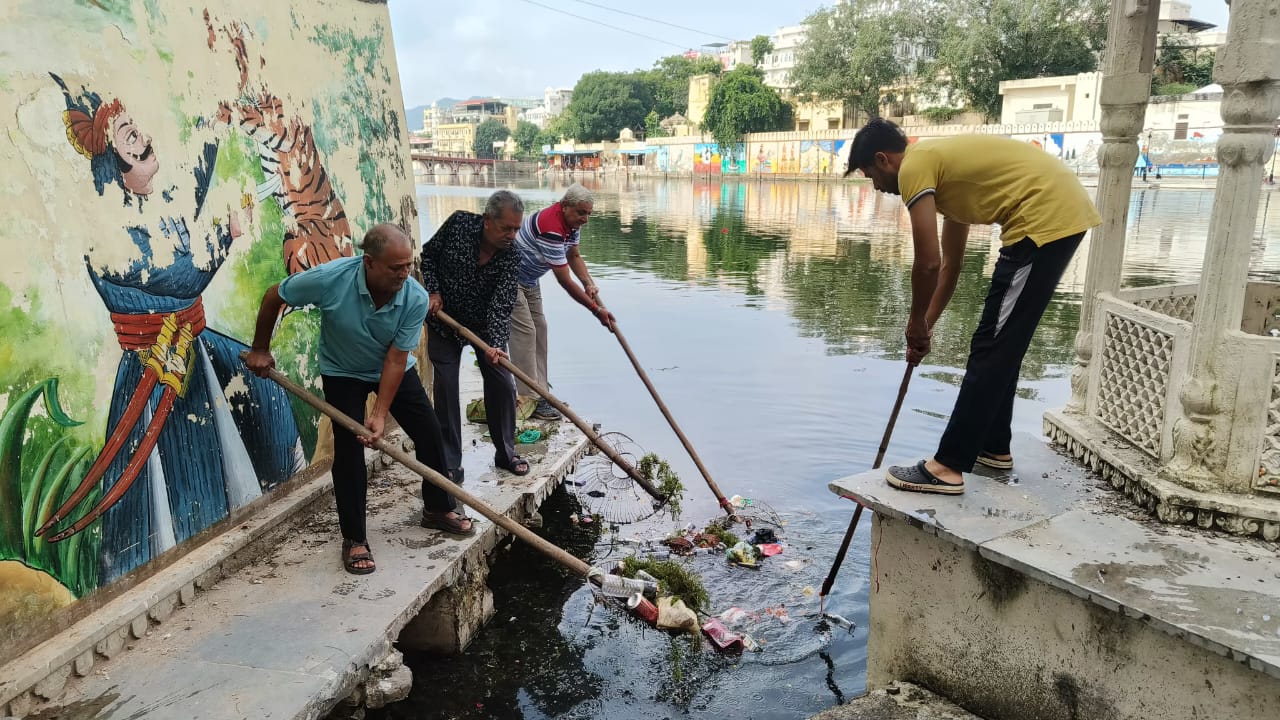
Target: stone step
{"x": 900, "y": 701}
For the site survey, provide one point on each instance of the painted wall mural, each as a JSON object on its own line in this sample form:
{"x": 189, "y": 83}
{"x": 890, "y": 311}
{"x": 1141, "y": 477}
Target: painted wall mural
{"x": 169, "y": 163}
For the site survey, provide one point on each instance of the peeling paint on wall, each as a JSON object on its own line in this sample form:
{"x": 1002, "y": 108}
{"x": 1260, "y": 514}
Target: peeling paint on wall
{"x": 168, "y": 165}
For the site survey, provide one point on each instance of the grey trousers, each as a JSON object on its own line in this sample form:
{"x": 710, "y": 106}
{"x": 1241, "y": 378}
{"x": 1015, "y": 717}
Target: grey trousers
{"x": 529, "y": 338}
{"x": 499, "y": 401}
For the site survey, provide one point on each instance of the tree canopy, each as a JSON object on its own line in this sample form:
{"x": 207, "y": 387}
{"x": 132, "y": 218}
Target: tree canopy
{"x": 741, "y": 103}
{"x": 857, "y": 52}
{"x": 849, "y": 55}
{"x": 526, "y": 136}
{"x": 489, "y": 132}
{"x": 987, "y": 41}
{"x": 606, "y": 102}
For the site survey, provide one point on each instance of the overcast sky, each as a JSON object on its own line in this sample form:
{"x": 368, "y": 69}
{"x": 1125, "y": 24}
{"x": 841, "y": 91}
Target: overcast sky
{"x": 516, "y": 48}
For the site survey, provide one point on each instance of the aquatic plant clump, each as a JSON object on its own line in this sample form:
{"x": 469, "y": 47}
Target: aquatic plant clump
{"x": 720, "y": 529}
{"x": 674, "y": 579}
{"x": 660, "y": 474}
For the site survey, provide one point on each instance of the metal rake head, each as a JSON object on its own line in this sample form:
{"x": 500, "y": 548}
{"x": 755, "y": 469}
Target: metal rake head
{"x": 604, "y": 489}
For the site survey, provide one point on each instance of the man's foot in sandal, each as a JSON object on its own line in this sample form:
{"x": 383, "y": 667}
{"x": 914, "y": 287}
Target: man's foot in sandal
{"x": 917, "y": 478}
{"x": 449, "y": 522}
{"x": 354, "y": 560}
{"x": 996, "y": 460}
{"x": 517, "y": 466}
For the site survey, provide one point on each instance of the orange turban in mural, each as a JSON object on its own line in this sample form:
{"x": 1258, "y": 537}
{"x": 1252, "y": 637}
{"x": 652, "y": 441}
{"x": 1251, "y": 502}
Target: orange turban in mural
{"x": 88, "y": 133}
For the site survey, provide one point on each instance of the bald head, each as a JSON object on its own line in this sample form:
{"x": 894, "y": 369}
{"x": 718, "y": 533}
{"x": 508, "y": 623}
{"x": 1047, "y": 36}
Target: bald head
{"x": 384, "y": 237}
{"x": 388, "y": 259}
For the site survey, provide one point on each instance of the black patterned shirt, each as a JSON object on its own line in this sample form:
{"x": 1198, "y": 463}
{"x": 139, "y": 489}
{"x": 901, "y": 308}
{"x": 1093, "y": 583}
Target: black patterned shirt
{"x": 479, "y": 297}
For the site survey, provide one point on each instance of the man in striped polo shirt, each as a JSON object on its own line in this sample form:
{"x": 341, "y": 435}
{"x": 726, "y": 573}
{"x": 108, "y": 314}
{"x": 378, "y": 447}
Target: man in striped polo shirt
{"x": 1043, "y": 213}
{"x": 548, "y": 240}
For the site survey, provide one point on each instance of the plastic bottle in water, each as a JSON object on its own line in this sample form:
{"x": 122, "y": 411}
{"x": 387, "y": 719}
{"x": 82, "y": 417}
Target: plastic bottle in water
{"x": 620, "y": 587}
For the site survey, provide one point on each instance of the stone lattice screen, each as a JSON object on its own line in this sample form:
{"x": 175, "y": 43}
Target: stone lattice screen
{"x": 1178, "y": 307}
{"x": 1134, "y": 381}
{"x": 1269, "y": 464}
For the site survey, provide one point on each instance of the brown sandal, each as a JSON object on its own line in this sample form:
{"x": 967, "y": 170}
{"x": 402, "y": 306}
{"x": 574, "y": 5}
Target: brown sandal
{"x": 460, "y": 526}
{"x": 349, "y": 560}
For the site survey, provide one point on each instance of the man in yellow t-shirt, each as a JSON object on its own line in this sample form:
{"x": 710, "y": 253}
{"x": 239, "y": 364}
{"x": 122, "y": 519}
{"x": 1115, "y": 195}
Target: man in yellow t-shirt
{"x": 1043, "y": 213}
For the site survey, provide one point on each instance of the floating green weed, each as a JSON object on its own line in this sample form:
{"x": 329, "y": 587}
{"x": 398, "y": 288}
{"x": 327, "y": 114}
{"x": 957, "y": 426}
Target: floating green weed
{"x": 674, "y": 579}
{"x": 660, "y": 474}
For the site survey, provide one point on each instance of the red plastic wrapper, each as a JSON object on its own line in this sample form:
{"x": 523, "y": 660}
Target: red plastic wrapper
{"x": 643, "y": 609}
{"x": 721, "y": 636}
{"x": 769, "y": 549}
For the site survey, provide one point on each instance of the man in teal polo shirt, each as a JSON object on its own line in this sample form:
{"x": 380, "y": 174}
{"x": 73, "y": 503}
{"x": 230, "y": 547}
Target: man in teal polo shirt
{"x": 371, "y": 317}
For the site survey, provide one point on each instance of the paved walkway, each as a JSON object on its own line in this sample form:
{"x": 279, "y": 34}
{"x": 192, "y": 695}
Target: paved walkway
{"x": 292, "y": 634}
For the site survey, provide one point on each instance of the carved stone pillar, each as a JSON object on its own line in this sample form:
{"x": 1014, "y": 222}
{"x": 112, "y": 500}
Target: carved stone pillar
{"x": 1126, "y": 87}
{"x": 1248, "y": 68}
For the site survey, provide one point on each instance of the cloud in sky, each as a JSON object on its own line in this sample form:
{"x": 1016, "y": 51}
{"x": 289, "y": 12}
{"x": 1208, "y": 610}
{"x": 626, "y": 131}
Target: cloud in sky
{"x": 516, "y": 48}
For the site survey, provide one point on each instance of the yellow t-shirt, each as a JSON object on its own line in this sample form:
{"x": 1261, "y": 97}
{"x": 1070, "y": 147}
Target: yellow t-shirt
{"x": 993, "y": 180}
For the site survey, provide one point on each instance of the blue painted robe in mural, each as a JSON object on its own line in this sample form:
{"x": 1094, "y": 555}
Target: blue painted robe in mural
{"x": 229, "y": 437}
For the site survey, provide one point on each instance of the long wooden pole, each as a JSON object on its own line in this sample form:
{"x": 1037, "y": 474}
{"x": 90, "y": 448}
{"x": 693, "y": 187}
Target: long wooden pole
{"x": 688, "y": 446}
{"x": 564, "y": 558}
{"x": 857, "y": 513}
{"x": 581, "y": 424}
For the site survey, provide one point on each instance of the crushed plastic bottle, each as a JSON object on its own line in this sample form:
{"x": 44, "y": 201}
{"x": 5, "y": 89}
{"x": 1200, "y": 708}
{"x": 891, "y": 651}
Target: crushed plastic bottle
{"x": 620, "y": 587}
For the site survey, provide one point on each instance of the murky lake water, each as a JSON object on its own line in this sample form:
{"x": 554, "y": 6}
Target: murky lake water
{"x": 770, "y": 316}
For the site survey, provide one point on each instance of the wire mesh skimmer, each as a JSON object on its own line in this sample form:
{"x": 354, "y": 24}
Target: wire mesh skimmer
{"x": 604, "y": 489}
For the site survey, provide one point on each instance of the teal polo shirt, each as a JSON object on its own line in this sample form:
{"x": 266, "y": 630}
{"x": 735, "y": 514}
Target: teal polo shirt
{"x": 355, "y": 336}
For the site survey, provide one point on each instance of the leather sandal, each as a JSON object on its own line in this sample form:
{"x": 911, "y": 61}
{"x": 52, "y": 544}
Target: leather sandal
{"x": 516, "y": 462}
{"x": 461, "y": 525}
{"x": 349, "y": 559}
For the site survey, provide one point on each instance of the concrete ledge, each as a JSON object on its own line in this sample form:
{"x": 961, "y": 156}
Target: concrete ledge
{"x": 292, "y": 634}
{"x": 134, "y": 638}
{"x": 1134, "y": 474}
{"x": 1211, "y": 591}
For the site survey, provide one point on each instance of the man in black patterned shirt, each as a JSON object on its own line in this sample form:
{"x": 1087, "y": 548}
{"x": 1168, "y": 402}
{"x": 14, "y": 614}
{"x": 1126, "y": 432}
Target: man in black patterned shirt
{"x": 469, "y": 268}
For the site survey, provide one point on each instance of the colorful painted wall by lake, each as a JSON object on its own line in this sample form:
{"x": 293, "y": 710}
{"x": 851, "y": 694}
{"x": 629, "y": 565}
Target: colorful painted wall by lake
{"x": 163, "y": 164}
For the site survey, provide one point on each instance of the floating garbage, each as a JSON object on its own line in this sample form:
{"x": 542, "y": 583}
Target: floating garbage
{"x": 734, "y": 615}
{"x": 839, "y": 621}
{"x": 769, "y": 549}
{"x": 640, "y": 606}
{"x": 722, "y": 637}
{"x": 764, "y": 536}
{"x": 674, "y": 615}
{"x": 742, "y": 554}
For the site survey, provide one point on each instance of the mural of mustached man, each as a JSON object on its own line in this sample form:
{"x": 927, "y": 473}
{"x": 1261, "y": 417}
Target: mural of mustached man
{"x": 190, "y": 436}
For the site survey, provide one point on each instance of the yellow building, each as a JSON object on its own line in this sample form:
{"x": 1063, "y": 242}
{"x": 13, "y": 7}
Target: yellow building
{"x": 456, "y": 140}
{"x": 699, "y": 97}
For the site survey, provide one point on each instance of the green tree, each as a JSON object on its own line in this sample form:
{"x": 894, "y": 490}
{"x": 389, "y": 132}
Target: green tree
{"x": 987, "y": 41}
{"x": 1180, "y": 62}
{"x": 606, "y": 102}
{"x": 761, "y": 46}
{"x": 653, "y": 125}
{"x": 849, "y": 54}
{"x": 489, "y": 132}
{"x": 668, "y": 80}
{"x": 526, "y": 135}
{"x": 741, "y": 103}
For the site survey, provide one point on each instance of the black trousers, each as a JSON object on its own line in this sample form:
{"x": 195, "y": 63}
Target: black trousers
{"x": 1022, "y": 284}
{"x": 350, "y": 479}
{"x": 499, "y": 400}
